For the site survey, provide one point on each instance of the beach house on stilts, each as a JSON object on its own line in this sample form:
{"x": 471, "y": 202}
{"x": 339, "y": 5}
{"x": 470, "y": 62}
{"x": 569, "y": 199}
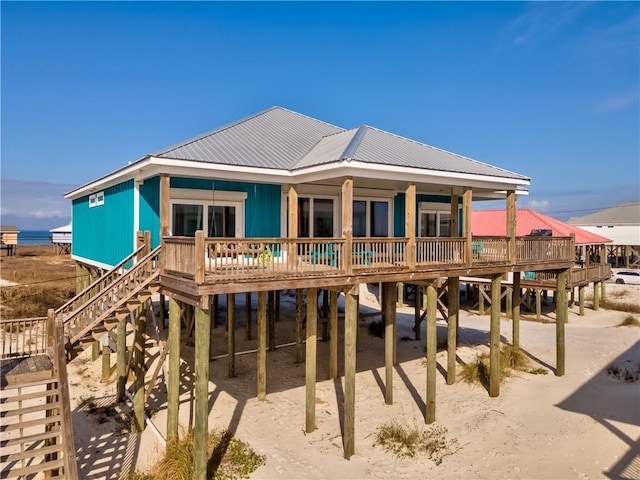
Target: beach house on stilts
{"x": 282, "y": 201}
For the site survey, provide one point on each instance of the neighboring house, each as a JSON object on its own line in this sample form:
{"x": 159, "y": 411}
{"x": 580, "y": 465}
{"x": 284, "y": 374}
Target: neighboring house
{"x": 234, "y": 182}
{"x": 621, "y": 224}
{"x": 61, "y": 239}
{"x": 9, "y": 238}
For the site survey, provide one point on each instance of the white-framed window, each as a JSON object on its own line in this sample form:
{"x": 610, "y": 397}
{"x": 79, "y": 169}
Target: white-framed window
{"x": 96, "y": 199}
{"x": 434, "y": 219}
{"x": 372, "y": 217}
{"x": 318, "y": 216}
{"x": 218, "y": 214}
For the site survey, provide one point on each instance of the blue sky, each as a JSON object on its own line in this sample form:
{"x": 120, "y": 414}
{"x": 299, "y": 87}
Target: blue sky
{"x": 550, "y": 90}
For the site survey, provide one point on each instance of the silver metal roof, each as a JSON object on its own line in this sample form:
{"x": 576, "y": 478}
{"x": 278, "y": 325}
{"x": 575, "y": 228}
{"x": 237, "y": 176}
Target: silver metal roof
{"x": 274, "y": 138}
{"x": 623, "y": 214}
{"x": 282, "y": 139}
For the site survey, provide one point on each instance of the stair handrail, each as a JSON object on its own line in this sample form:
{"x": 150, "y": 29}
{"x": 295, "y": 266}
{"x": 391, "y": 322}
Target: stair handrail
{"x": 139, "y": 265}
{"x": 55, "y": 334}
{"x": 115, "y": 270}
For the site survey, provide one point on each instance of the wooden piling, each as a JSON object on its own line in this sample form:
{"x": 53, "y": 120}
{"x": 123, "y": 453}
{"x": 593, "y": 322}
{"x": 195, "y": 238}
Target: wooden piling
{"x": 494, "y": 337}
{"x": 452, "y": 327}
{"x": 389, "y": 291}
{"x": 561, "y": 318}
{"x": 201, "y": 387}
{"x": 262, "y": 346}
{"x": 139, "y": 369}
{"x": 271, "y": 313}
{"x": 121, "y": 359}
{"x": 333, "y": 334}
{"x": 432, "y": 345}
{"x": 173, "y": 387}
{"x": 247, "y": 306}
{"x": 581, "y": 300}
{"x": 231, "y": 333}
{"x": 596, "y": 296}
{"x": 299, "y": 327}
{"x": 350, "y": 339}
{"x": 310, "y": 367}
{"x": 515, "y": 311}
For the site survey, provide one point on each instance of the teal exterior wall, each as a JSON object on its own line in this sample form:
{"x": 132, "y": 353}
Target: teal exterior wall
{"x": 149, "y": 218}
{"x": 399, "y": 210}
{"x": 262, "y": 206}
{"x": 104, "y": 233}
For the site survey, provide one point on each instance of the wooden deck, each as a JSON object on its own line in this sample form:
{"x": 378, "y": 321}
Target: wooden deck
{"x": 194, "y": 267}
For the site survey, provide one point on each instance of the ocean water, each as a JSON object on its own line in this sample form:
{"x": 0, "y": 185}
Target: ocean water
{"x": 34, "y": 237}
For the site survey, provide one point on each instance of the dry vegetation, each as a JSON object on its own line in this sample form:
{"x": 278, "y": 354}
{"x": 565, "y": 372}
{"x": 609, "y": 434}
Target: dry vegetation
{"x": 229, "y": 458}
{"x": 407, "y": 441}
{"x": 44, "y": 280}
{"x": 511, "y": 359}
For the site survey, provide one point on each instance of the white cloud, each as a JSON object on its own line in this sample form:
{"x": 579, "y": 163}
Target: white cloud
{"x": 618, "y": 102}
{"x": 542, "y": 21}
{"x": 539, "y": 205}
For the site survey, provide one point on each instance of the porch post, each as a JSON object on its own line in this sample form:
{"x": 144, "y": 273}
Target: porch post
{"x": 432, "y": 345}
{"x": 350, "y": 339}
{"x": 389, "y": 338}
{"x": 581, "y": 299}
{"x": 455, "y": 218}
{"x": 310, "y": 366}
{"x": 293, "y": 224}
{"x": 201, "y": 428}
{"x": 511, "y": 224}
{"x": 452, "y": 327}
{"x": 561, "y": 319}
{"x": 347, "y": 222}
{"x": 173, "y": 388}
{"x": 467, "y": 197}
{"x": 165, "y": 205}
{"x": 410, "y": 224}
{"x": 596, "y": 296}
{"x": 494, "y": 337}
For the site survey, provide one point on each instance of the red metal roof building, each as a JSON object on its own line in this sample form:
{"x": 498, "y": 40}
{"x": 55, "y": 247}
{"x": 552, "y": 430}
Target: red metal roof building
{"x": 494, "y": 222}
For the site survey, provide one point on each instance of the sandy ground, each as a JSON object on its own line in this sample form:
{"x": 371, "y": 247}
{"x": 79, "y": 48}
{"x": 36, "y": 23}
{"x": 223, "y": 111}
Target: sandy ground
{"x": 583, "y": 425}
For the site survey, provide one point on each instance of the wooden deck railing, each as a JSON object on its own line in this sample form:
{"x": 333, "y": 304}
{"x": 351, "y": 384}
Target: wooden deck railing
{"x": 544, "y": 249}
{"x": 23, "y": 337}
{"x": 230, "y": 258}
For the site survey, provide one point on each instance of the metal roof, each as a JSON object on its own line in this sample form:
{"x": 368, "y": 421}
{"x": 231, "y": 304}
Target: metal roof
{"x": 624, "y": 214}
{"x": 282, "y": 139}
{"x": 494, "y": 223}
{"x": 274, "y": 138}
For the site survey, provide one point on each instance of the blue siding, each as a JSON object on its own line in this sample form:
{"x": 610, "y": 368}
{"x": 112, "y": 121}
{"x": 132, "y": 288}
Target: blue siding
{"x": 398, "y": 215}
{"x": 399, "y": 211}
{"x": 104, "y": 233}
{"x": 262, "y": 206}
{"x": 150, "y": 209}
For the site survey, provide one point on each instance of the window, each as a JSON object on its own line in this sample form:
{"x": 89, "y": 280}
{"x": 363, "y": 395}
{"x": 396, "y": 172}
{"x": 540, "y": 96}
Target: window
{"x": 222, "y": 221}
{"x": 371, "y": 218}
{"x": 435, "y": 219}
{"x": 218, "y": 214}
{"x": 315, "y": 217}
{"x": 96, "y": 199}
{"x": 186, "y": 219}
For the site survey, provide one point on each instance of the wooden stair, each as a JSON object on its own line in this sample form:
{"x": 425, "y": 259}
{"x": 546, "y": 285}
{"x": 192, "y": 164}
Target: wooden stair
{"x": 36, "y": 430}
